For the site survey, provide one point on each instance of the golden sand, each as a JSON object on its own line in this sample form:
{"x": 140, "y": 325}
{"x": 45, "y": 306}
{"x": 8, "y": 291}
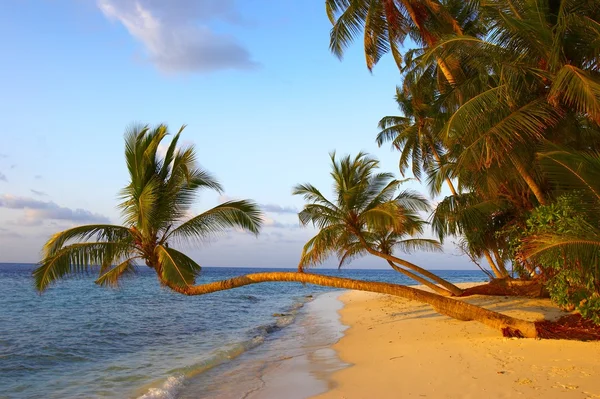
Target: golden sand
{"x": 402, "y": 349}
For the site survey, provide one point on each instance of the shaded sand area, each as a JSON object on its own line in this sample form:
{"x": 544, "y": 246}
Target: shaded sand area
{"x": 402, "y": 349}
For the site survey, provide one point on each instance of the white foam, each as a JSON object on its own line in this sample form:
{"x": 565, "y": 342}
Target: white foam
{"x": 168, "y": 390}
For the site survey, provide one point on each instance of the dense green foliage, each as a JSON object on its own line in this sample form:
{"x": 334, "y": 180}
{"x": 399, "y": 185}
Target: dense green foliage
{"x": 499, "y": 101}
{"x": 571, "y": 280}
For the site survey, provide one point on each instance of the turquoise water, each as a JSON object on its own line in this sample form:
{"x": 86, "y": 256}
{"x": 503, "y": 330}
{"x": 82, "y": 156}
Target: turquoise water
{"x": 78, "y": 340}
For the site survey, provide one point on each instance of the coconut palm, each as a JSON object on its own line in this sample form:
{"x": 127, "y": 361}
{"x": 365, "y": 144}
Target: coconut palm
{"x": 542, "y": 78}
{"x": 385, "y": 25}
{"x": 414, "y": 133}
{"x": 386, "y": 241}
{"x": 155, "y": 206}
{"x": 365, "y": 201}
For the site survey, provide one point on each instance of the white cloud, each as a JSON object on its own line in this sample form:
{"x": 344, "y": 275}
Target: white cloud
{"x": 176, "y": 34}
{"x": 269, "y": 222}
{"x": 278, "y": 208}
{"x": 36, "y": 211}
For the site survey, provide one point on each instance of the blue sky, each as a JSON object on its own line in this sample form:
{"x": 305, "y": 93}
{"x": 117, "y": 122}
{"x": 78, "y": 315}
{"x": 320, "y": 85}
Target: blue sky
{"x": 264, "y": 100}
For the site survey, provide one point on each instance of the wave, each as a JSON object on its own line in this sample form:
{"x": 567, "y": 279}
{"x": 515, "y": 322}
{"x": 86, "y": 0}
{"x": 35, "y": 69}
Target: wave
{"x": 174, "y": 382}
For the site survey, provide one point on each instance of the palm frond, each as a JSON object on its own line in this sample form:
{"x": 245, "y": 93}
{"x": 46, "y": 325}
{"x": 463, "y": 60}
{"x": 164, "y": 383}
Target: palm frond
{"x": 112, "y": 276}
{"x": 99, "y": 232}
{"x": 241, "y": 214}
{"x": 176, "y": 268}
{"x": 74, "y": 259}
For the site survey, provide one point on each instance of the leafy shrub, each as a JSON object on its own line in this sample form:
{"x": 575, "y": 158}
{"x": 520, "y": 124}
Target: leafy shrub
{"x": 570, "y": 274}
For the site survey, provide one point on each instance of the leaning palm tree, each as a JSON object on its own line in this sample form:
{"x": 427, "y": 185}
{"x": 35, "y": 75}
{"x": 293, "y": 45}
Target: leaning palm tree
{"x": 365, "y": 201}
{"x": 154, "y": 206}
{"x": 386, "y": 241}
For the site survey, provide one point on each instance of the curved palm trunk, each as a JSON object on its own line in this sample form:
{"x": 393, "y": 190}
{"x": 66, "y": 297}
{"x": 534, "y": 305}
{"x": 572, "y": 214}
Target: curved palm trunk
{"x": 500, "y": 263}
{"x": 446, "y": 284}
{"x": 430, "y": 41}
{"x": 495, "y": 269}
{"x": 450, "y": 307}
{"x": 533, "y": 186}
{"x": 420, "y": 279}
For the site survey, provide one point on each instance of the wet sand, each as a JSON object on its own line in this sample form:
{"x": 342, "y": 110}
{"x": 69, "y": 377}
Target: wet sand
{"x": 402, "y": 349}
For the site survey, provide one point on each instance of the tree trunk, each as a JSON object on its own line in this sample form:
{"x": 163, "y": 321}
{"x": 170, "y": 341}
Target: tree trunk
{"x": 500, "y": 263}
{"x": 456, "y": 309}
{"x": 533, "y": 186}
{"x": 495, "y": 269}
{"x": 421, "y": 280}
{"x": 446, "y": 284}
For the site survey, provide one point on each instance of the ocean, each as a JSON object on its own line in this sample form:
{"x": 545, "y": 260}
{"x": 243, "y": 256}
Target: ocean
{"x": 78, "y": 340}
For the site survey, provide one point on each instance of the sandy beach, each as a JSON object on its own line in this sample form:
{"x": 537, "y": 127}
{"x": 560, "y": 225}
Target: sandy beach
{"x": 402, "y": 349}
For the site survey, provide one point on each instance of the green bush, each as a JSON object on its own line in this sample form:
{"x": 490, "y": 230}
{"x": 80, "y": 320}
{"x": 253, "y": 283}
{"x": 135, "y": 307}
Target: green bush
{"x": 572, "y": 283}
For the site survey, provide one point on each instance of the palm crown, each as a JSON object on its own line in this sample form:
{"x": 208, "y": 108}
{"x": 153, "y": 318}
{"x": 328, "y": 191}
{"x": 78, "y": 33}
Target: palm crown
{"x": 368, "y": 215}
{"x": 365, "y": 201}
{"x": 155, "y": 207}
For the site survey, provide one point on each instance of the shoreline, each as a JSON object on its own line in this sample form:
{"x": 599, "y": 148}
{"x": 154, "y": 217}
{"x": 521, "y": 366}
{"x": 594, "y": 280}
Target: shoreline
{"x": 397, "y": 348}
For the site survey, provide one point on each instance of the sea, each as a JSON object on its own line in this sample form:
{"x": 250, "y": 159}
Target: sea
{"x": 142, "y": 341}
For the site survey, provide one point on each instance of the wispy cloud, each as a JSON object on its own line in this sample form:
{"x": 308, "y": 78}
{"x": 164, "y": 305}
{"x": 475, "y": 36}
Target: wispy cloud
{"x": 38, "y": 177}
{"x": 40, "y": 193}
{"x": 278, "y": 208}
{"x": 269, "y": 222}
{"x": 36, "y": 211}
{"x": 3, "y": 177}
{"x": 176, "y": 33}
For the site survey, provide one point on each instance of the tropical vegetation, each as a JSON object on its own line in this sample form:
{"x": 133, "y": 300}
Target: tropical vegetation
{"x": 367, "y": 215}
{"x": 155, "y": 207}
{"x": 500, "y": 105}
{"x": 500, "y": 102}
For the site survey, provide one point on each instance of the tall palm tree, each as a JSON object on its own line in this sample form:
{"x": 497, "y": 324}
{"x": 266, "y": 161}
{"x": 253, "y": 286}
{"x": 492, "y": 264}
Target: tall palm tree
{"x": 385, "y": 25}
{"x": 541, "y": 58}
{"x": 415, "y": 133}
{"x": 155, "y": 207}
{"x": 365, "y": 201}
{"x": 155, "y": 204}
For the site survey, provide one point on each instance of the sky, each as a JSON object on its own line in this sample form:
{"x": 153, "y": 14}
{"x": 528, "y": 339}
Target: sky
{"x": 263, "y": 99}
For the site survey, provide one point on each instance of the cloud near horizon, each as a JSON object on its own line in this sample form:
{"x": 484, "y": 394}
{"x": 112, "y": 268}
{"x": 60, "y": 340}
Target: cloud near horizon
{"x": 176, "y": 34}
{"x": 40, "y": 193}
{"x": 278, "y": 208}
{"x": 36, "y": 211}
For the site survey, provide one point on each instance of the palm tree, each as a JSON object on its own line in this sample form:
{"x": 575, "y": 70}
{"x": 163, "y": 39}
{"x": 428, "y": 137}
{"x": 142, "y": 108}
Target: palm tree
{"x": 415, "y": 133}
{"x": 540, "y": 63}
{"x": 386, "y": 241}
{"x": 386, "y": 24}
{"x": 155, "y": 205}
{"x": 365, "y": 201}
